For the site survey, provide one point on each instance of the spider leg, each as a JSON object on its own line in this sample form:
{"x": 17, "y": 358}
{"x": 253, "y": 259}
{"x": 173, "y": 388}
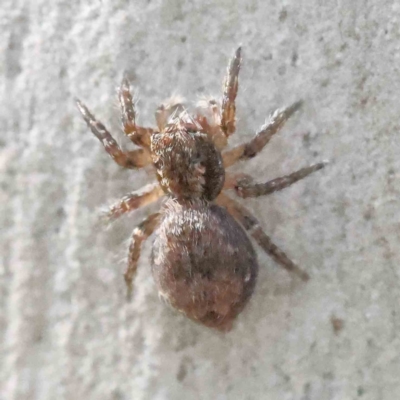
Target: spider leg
{"x": 245, "y": 187}
{"x": 209, "y": 118}
{"x": 231, "y": 84}
{"x": 251, "y": 224}
{"x": 134, "y": 200}
{"x": 263, "y": 136}
{"x": 132, "y": 159}
{"x": 232, "y": 180}
{"x": 171, "y": 107}
{"x": 137, "y": 134}
{"x": 139, "y": 235}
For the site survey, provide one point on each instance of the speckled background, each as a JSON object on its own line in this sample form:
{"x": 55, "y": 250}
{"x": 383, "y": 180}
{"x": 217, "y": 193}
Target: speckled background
{"x": 66, "y": 331}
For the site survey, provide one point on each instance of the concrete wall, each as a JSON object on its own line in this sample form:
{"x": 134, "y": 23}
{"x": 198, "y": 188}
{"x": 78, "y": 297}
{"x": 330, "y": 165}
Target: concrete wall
{"x": 66, "y": 331}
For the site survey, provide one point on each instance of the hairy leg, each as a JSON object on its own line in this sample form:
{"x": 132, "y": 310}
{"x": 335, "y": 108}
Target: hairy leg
{"x": 171, "y": 108}
{"x": 245, "y": 187}
{"x": 231, "y": 84}
{"x": 137, "y": 134}
{"x": 263, "y": 136}
{"x": 140, "y": 234}
{"x": 232, "y": 180}
{"x": 132, "y": 159}
{"x": 209, "y": 117}
{"x": 134, "y": 200}
{"x": 251, "y": 224}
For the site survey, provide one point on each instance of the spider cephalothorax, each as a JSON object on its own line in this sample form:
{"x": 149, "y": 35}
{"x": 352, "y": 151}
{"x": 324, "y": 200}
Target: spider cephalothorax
{"x": 202, "y": 261}
{"x": 188, "y": 165}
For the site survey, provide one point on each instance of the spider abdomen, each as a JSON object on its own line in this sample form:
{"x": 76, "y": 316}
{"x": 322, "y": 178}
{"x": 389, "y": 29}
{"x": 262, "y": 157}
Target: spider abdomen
{"x": 203, "y": 263}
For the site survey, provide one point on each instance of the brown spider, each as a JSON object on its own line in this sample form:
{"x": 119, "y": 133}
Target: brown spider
{"x": 203, "y": 262}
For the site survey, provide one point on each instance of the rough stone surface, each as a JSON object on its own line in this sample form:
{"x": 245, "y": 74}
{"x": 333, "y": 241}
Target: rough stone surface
{"x": 66, "y": 331}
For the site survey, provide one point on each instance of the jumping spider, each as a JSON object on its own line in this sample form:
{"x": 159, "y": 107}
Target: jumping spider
{"x": 203, "y": 262}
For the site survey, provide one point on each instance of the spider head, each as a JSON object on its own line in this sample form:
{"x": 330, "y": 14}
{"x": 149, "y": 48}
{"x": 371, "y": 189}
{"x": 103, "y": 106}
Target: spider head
{"x": 188, "y": 164}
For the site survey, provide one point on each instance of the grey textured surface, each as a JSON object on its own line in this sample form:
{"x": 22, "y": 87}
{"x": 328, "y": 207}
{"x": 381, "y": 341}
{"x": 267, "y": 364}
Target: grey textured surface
{"x": 65, "y": 329}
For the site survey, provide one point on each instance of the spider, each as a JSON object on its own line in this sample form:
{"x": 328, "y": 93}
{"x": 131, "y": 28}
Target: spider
{"x": 203, "y": 261}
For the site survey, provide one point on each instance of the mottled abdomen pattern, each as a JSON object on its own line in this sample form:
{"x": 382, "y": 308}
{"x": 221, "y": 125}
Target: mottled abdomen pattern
{"x": 203, "y": 263}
